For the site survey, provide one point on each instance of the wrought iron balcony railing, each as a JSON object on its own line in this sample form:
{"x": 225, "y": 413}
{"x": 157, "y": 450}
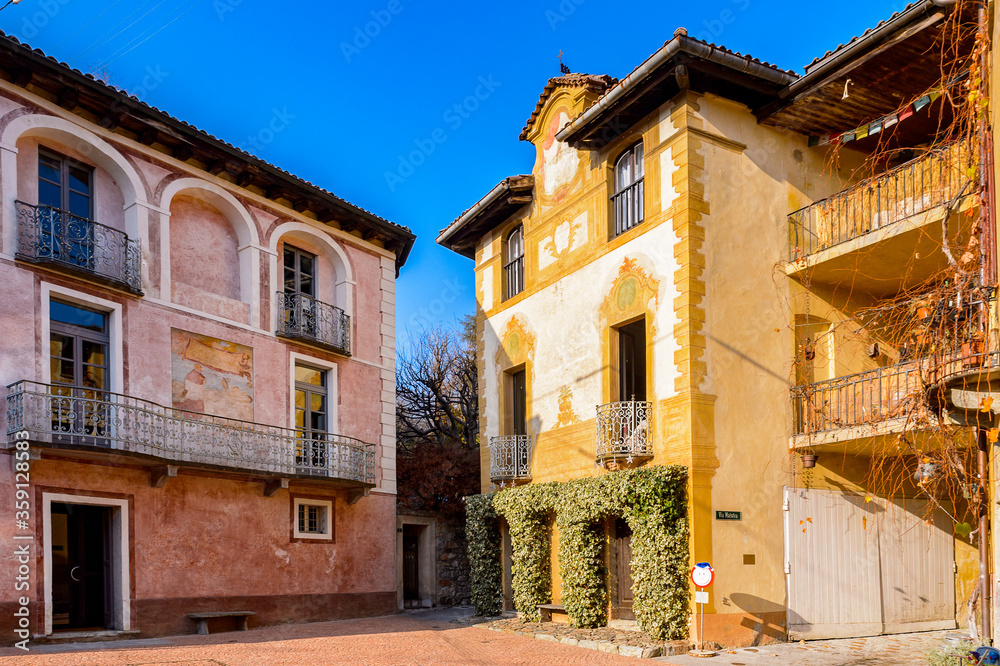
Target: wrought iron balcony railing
{"x": 910, "y": 189}
{"x": 513, "y": 278}
{"x": 879, "y": 395}
{"x": 629, "y": 207}
{"x": 624, "y": 430}
{"x": 87, "y": 418}
{"x": 510, "y": 458}
{"x": 862, "y": 398}
{"x": 59, "y": 239}
{"x": 302, "y": 317}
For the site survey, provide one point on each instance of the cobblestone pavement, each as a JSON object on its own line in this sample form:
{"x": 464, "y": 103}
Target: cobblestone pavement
{"x": 430, "y": 637}
{"x": 874, "y": 651}
{"x": 425, "y": 638}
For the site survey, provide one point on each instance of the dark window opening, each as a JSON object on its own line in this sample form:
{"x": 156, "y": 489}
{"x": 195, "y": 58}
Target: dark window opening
{"x": 628, "y": 200}
{"x": 518, "y": 403}
{"x": 631, "y": 368}
{"x": 513, "y": 268}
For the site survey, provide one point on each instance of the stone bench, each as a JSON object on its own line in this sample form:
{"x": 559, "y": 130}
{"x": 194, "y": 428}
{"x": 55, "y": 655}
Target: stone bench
{"x": 545, "y": 611}
{"x": 203, "y": 618}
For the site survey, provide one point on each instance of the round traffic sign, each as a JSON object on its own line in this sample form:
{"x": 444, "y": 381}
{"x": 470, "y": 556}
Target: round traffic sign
{"x": 702, "y": 574}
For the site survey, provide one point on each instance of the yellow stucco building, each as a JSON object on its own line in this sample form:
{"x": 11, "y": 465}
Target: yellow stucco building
{"x": 683, "y": 279}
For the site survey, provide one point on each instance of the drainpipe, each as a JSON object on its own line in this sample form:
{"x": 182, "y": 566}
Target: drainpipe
{"x": 984, "y": 558}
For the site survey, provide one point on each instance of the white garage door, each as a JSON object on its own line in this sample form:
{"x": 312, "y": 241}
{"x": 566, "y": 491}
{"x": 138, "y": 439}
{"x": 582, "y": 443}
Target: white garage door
{"x": 862, "y": 568}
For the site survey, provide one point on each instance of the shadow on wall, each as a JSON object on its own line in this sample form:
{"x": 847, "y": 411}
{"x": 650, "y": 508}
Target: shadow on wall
{"x": 767, "y": 617}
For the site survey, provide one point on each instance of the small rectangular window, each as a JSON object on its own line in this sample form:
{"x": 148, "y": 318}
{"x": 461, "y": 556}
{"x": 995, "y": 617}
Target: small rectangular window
{"x": 312, "y": 518}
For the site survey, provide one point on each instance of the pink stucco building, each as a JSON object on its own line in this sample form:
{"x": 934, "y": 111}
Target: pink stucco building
{"x": 199, "y": 352}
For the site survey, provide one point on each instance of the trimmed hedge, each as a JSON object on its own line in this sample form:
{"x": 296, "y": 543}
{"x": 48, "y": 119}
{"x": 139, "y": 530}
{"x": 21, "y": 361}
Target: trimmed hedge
{"x": 653, "y": 500}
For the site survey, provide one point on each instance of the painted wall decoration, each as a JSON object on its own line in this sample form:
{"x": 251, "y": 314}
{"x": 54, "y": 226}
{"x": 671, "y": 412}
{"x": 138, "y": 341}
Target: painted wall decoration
{"x": 517, "y": 344}
{"x": 565, "y": 237}
{"x": 560, "y": 162}
{"x": 567, "y": 416}
{"x": 633, "y": 292}
{"x": 211, "y": 375}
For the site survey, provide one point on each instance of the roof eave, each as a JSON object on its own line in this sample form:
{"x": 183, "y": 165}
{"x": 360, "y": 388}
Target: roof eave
{"x": 43, "y": 64}
{"x": 505, "y": 199}
{"x": 668, "y": 56}
{"x": 835, "y": 65}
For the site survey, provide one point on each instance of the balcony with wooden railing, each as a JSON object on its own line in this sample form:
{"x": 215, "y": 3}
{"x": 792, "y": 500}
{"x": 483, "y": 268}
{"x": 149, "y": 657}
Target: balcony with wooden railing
{"x": 101, "y": 422}
{"x": 67, "y": 243}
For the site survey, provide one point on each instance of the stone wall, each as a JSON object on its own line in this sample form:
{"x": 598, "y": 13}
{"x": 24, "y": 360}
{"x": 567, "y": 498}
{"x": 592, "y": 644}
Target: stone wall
{"x": 453, "y": 563}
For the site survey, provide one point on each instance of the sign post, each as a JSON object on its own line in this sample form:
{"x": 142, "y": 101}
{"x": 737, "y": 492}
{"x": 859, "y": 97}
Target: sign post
{"x": 702, "y": 576}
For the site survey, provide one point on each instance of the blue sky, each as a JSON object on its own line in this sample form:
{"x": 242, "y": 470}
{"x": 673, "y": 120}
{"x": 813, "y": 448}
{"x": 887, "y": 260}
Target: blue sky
{"x": 366, "y": 91}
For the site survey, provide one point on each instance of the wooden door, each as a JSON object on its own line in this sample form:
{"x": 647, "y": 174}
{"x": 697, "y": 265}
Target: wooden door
{"x": 623, "y": 542}
{"x": 864, "y": 568}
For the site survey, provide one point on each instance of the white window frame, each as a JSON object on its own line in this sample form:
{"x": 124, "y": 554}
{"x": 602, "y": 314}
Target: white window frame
{"x": 122, "y": 585}
{"x": 327, "y": 505}
{"x": 328, "y": 367}
{"x": 116, "y": 364}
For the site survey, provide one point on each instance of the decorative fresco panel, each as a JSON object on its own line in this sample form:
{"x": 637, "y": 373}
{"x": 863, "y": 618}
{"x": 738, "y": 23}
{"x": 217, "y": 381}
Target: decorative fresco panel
{"x": 211, "y": 375}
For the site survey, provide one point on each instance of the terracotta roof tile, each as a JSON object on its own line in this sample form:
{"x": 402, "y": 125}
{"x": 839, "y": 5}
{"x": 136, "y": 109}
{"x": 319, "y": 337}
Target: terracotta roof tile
{"x": 867, "y": 32}
{"x": 595, "y": 82}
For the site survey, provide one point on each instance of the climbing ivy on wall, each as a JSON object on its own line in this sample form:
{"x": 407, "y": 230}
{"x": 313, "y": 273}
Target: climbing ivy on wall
{"x": 484, "y": 543}
{"x": 652, "y": 500}
{"x": 528, "y": 512}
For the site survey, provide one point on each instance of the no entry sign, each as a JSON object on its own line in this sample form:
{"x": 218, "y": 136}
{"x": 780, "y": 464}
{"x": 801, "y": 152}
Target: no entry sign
{"x": 702, "y": 574}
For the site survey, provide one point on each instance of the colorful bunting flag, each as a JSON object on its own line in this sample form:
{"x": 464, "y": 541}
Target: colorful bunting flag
{"x": 887, "y": 121}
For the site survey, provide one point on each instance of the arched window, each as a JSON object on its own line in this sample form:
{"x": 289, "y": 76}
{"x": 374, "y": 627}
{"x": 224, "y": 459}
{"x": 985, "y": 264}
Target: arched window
{"x": 513, "y": 268}
{"x": 629, "y": 197}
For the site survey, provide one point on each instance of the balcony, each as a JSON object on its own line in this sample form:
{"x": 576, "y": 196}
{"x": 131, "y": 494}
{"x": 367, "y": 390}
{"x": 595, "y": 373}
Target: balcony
{"x": 858, "y": 400}
{"x": 510, "y": 458}
{"x": 880, "y": 401}
{"x": 303, "y": 318}
{"x": 85, "y": 419}
{"x": 65, "y": 242}
{"x": 624, "y": 431}
{"x": 830, "y": 235}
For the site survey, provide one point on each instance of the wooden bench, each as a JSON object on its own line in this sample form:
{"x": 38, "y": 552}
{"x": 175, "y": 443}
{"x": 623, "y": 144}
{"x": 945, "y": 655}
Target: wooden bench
{"x": 545, "y": 611}
{"x": 203, "y": 618}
